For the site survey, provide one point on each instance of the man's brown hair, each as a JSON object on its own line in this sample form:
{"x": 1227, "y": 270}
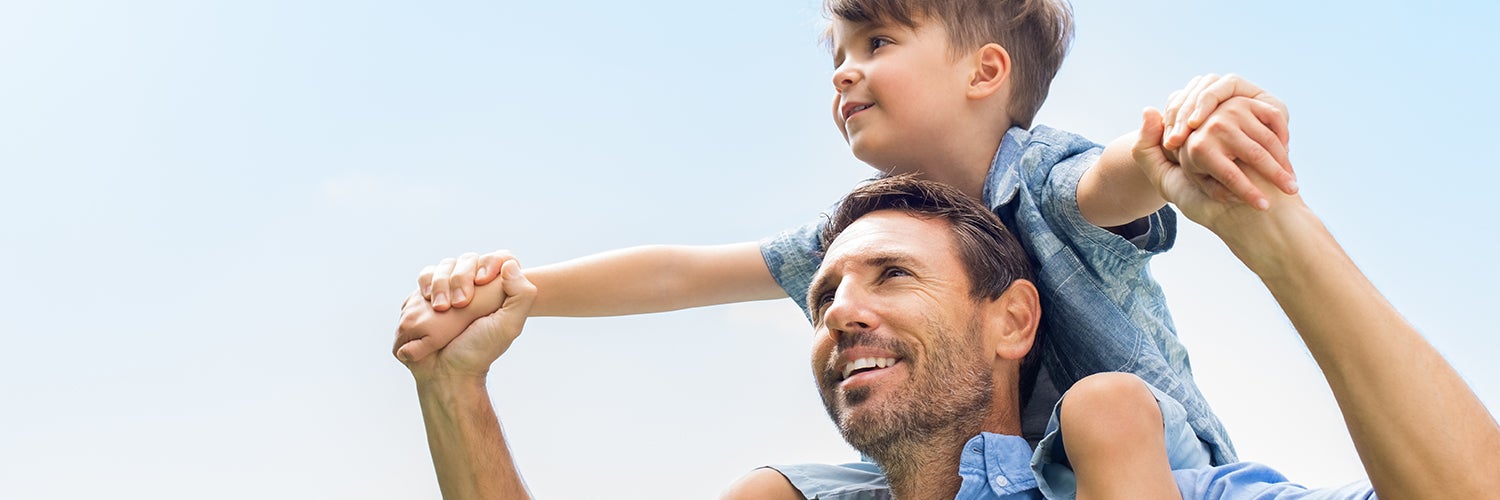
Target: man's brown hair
{"x": 1036, "y": 33}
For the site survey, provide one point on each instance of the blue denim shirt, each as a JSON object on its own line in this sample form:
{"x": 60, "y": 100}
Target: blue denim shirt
{"x": 995, "y": 467}
{"x": 1102, "y": 310}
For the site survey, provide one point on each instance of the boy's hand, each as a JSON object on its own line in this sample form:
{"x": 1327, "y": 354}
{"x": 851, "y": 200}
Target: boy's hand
{"x": 1219, "y": 126}
{"x": 450, "y": 283}
{"x": 475, "y": 347}
{"x": 424, "y": 330}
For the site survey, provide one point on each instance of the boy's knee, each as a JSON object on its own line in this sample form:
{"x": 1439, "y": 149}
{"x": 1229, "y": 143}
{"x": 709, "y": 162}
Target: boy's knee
{"x": 762, "y": 483}
{"x": 1110, "y": 404}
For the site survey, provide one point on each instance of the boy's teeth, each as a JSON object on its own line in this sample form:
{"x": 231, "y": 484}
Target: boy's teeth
{"x": 863, "y": 363}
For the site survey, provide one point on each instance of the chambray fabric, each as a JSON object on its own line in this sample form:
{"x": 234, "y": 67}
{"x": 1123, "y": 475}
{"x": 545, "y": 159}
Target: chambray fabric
{"x": 995, "y": 467}
{"x": 1102, "y": 310}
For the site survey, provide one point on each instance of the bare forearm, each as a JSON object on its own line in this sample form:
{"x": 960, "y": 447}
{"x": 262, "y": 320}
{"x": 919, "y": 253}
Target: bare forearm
{"x": 1115, "y": 192}
{"x": 1420, "y": 430}
{"x": 653, "y": 279}
{"x": 468, "y": 447}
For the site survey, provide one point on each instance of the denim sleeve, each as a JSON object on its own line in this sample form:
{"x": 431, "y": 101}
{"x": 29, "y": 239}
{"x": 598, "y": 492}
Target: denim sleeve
{"x": 1059, "y": 201}
{"x": 793, "y": 257}
{"x": 1252, "y": 480}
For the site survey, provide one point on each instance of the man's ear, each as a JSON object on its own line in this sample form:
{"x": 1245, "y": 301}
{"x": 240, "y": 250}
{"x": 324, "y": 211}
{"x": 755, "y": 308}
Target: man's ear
{"x": 1011, "y": 320}
{"x": 991, "y": 64}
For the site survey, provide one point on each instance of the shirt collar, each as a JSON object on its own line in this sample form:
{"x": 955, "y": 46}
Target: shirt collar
{"x": 998, "y": 463}
{"x": 1002, "y": 182}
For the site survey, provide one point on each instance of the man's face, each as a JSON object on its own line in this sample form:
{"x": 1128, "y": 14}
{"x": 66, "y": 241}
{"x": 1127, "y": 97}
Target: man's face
{"x": 897, "y": 90}
{"x": 897, "y": 352}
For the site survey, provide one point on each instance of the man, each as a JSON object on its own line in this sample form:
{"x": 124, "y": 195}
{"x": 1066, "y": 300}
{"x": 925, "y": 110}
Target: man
{"x": 918, "y": 353}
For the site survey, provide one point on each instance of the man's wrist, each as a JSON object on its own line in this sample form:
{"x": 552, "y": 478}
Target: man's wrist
{"x": 1275, "y": 243}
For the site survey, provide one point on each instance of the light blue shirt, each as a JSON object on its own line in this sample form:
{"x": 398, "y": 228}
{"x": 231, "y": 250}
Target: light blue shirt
{"x": 997, "y": 467}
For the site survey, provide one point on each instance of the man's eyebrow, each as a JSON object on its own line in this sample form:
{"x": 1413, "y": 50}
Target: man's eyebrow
{"x": 821, "y": 280}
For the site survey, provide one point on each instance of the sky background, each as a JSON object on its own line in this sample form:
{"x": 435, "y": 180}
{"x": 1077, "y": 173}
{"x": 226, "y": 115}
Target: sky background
{"x": 210, "y": 211}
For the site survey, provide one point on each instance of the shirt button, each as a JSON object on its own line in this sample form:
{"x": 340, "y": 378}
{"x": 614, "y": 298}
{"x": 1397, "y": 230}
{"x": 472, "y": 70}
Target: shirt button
{"x": 1001, "y": 482}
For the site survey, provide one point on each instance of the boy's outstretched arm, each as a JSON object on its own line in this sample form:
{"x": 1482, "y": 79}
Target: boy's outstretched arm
{"x": 629, "y": 281}
{"x": 1250, "y": 131}
{"x": 1420, "y": 431}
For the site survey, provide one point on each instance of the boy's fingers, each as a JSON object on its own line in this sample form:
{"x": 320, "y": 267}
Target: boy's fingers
{"x": 440, "y": 284}
{"x": 424, "y": 282}
{"x": 461, "y": 281}
{"x": 1218, "y": 91}
{"x": 1178, "y": 133}
{"x": 489, "y": 266}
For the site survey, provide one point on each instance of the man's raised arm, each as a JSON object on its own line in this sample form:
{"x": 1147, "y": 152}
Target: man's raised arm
{"x": 468, "y": 447}
{"x": 1420, "y": 431}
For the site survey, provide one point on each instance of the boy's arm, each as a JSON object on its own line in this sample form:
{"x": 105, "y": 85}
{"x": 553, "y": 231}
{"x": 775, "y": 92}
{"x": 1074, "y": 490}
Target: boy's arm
{"x": 1251, "y": 131}
{"x": 630, "y": 281}
{"x": 1419, "y": 430}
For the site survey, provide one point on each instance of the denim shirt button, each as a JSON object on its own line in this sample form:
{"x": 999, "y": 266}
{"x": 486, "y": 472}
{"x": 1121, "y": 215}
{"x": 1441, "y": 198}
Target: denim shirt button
{"x": 1001, "y": 482}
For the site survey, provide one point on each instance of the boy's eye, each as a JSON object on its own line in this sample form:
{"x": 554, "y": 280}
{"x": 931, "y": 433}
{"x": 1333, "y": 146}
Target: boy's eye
{"x": 878, "y": 42}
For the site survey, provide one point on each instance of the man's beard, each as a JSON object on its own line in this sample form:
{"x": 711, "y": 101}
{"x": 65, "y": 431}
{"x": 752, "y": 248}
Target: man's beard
{"x": 946, "y": 398}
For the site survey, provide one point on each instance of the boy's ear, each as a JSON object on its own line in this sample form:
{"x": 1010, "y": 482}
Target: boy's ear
{"x": 991, "y": 71}
{"x": 1011, "y": 320}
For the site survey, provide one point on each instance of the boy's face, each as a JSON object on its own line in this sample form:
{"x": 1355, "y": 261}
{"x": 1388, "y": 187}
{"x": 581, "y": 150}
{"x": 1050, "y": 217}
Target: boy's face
{"x": 899, "y": 91}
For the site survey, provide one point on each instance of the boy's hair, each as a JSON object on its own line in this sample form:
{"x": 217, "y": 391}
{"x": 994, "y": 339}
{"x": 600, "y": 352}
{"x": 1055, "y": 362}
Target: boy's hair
{"x": 1036, "y": 33}
{"x": 992, "y": 256}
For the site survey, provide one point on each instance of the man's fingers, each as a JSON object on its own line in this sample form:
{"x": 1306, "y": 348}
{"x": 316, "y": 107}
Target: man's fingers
{"x": 1261, "y": 150}
{"x": 1233, "y": 180}
{"x": 519, "y": 295}
{"x": 440, "y": 284}
{"x": 1275, "y": 120}
{"x": 415, "y": 350}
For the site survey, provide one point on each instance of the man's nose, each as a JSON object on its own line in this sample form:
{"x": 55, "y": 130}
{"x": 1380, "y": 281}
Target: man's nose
{"x": 851, "y": 311}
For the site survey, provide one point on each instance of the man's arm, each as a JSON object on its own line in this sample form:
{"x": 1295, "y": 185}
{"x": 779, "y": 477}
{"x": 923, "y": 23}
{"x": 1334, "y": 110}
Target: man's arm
{"x": 1420, "y": 431}
{"x": 468, "y": 447}
{"x": 1114, "y": 192}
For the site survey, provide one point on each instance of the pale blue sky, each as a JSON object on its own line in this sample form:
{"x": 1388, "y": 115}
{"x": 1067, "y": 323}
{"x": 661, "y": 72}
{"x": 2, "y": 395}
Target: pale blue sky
{"x": 212, "y": 209}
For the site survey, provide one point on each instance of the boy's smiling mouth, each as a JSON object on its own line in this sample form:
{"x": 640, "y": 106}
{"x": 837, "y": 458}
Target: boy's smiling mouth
{"x": 850, "y": 108}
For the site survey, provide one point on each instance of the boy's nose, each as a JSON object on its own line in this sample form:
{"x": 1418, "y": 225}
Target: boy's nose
{"x": 844, "y": 77}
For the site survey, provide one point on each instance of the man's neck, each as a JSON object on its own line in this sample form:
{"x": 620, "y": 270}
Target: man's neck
{"x": 927, "y": 471}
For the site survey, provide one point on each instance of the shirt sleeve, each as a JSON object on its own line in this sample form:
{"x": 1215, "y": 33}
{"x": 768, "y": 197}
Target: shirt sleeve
{"x": 1059, "y": 200}
{"x": 793, "y": 257}
{"x": 1246, "y": 480}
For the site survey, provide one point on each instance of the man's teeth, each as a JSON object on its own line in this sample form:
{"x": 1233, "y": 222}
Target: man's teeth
{"x": 862, "y": 363}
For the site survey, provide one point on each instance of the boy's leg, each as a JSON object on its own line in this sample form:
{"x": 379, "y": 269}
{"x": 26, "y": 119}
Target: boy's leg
{"x": 1112, "y": 430}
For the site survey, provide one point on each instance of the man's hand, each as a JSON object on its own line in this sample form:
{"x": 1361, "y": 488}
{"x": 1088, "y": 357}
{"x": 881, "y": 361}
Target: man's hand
{"x": 1173, "y": 182}
{"x": 450, "y": 283}
{"x": 1219, "y": 127}
{"x": 472, "y": 352}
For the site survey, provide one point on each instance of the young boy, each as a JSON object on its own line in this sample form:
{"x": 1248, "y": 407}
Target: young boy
{"x": 946, "y": 90}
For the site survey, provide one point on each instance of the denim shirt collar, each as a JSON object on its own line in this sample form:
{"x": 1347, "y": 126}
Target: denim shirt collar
{"x": 996, "y": 466}
{"x": 1004, "y": 180}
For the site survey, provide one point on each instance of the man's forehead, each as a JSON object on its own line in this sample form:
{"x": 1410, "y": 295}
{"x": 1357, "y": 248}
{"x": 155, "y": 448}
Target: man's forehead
{"x": 886, "y": 233}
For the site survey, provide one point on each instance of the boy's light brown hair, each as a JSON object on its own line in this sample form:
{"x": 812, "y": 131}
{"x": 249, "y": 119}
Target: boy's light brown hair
{"x": 1036, "y": 33}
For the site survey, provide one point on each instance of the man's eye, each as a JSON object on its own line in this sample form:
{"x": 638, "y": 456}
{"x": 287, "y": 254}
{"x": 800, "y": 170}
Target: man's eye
{"x": 823, "y": 300}
{"x": 895, "y": 272}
